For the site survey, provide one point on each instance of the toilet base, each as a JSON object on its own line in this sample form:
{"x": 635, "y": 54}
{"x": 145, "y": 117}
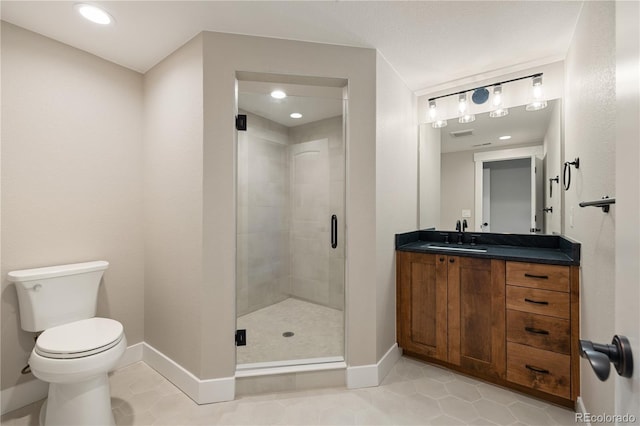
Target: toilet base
{"x": 81, "y": 403}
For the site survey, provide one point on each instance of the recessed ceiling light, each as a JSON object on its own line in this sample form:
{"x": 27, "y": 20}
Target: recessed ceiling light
{"x": 278, "y": 94}
{"x": 295, "y": 115}
{"x": 504, "y": 138}
{"x": 94, "y": 14}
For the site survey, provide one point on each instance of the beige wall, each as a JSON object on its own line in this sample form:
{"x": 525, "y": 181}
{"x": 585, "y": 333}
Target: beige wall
{"x": 173, "y": 207}
{"x": 224, "y": 54}
{"x": 71, "y": 178}
{"x": 396, "y": 184}
{"x": 590, "y": 112}
{"x": 553, "y": 167}
{"x": 457, "y": 189}
{"x": 429, "y": 172}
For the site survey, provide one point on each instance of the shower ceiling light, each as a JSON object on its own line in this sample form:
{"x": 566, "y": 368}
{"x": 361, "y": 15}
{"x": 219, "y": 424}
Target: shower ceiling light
{"x": 278, "y": 94}
{"x": 504, "y": 138}
{"x": 295, "y": 115}
{"x": 94, "y": 14}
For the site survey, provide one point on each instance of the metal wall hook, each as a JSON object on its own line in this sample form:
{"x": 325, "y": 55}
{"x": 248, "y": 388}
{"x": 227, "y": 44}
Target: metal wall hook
{"x": 551, "y": 180}
{"x": 566, "y": 173}
{"x": 548, "y": 209}
{"x": 600, "y": 356}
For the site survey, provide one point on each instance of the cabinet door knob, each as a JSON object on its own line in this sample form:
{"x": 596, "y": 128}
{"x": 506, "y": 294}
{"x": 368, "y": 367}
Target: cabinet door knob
{"x": 442, "y": 259}
{"x": 451, "y": 260}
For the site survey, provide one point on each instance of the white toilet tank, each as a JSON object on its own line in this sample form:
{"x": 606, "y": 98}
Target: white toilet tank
{"x": 57, "y": 295}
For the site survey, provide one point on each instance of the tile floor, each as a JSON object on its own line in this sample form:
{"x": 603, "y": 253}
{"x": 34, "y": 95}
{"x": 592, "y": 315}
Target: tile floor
{"x": 318, "y": 332}
{"x": 413, "y": 393}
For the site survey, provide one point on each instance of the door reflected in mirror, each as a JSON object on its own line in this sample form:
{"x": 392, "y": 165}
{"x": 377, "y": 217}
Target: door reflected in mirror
{"x": 498, "y": 174}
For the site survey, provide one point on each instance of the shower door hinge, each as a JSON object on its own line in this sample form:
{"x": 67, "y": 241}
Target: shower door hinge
{"x": 241, "y": 122}
{"x": 241, "y": 337}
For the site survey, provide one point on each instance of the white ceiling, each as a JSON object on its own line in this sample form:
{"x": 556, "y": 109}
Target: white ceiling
{"x": 427, "y": 42}
{"x": 524, "y": 127}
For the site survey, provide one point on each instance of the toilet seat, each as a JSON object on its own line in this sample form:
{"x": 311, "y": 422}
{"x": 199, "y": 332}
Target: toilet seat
{"x": 79, "y": 339}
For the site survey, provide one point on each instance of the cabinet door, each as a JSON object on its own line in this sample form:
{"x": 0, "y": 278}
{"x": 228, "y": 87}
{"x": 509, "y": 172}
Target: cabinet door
{"x": 422, "y": 304}
{"x": 477, "y": 314}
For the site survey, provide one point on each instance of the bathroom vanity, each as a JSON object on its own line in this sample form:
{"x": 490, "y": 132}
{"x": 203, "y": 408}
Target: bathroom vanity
{"x": 499, "y": 307}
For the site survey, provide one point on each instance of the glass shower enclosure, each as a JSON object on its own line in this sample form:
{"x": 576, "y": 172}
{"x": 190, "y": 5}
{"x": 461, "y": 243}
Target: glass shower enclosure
{"x": 290, "y": 264}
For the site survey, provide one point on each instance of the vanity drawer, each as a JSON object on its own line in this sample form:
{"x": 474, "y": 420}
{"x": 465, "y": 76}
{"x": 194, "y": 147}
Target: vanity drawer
{"x": 549, "y": 333}
{"x": 543, "y": 302}
{"x": 536, "y": 275}
{"x": 539, "y": 369}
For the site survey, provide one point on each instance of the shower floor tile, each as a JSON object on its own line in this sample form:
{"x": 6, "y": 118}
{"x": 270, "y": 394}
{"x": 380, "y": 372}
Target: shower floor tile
{"x": 318, "y": 332}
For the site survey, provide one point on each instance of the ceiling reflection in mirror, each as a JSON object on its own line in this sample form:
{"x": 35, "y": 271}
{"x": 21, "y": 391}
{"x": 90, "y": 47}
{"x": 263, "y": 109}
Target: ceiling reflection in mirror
{"x": 455, "y": 170}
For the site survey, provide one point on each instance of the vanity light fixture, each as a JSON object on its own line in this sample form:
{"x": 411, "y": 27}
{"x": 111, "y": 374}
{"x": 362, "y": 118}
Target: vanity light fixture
{"x": 537, "y": 103}
{"x": 439, "y": 124}
{"x": 498, "y": 110}
{"x": 278, "y": 94}
{"x": 295, "y": 115}
{"x": 433, "y": 114}
{"x": 94, "y": 14}
{"x": 537, "y": 100}
{"x": 463, "y": 108}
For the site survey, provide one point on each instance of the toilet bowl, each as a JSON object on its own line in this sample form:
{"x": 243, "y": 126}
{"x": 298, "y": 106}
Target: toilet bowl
{"x": 74, "y": 359}
{"x": 76, "y": 350}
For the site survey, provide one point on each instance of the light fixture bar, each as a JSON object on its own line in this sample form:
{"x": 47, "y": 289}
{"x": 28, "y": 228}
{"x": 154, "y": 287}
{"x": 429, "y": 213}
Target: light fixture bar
{"x": 486, "y": 85}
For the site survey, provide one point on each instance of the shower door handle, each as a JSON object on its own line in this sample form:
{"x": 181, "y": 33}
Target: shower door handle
{"x": 334, "y": 231}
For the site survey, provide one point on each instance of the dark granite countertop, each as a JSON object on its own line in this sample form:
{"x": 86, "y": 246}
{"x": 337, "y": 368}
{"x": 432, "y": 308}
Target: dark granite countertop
{"x": 550, "y": 249}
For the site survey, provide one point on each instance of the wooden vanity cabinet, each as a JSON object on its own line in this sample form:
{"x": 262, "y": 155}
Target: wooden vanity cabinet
{"x": 422, "y": 304}
{"x": 511, "y": 323}
{"x": 476, "y": 315}
{"x": 451, "y": 308}
{"x": 542, "y": 326}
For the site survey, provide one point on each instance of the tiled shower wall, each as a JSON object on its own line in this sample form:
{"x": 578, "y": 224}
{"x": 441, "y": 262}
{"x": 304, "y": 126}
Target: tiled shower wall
{"x": 262, "y": 266}
{"x": 265, "y": 248}
{"x": 327, "y": 287}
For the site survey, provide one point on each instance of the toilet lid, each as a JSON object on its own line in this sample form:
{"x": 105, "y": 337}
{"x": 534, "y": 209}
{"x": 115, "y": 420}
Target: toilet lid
{"x": 79, "y": 338}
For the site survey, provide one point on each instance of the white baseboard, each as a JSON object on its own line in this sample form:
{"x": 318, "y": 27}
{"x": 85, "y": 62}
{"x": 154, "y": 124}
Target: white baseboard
{"x": 132, "y": 355}
{"x": 201, "y": 391}
{"x": 34, "y": 390}
{"x": 23, "y": 394}
{"x": 365, "y": 376}
{"x": 580, "y": 408}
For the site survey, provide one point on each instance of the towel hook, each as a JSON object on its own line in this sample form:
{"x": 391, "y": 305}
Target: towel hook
{"x": 566, "y": 173}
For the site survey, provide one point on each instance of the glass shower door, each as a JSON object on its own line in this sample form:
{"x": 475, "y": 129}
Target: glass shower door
{"x": 290, "y": 245}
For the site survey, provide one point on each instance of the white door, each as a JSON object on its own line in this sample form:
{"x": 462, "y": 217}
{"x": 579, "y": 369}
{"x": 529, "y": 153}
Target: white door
{"x": 627, "y": 281}
{"x": 485, "y": 220}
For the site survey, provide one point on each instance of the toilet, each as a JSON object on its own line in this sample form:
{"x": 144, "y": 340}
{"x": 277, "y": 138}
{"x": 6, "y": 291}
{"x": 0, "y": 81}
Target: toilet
{"x": 76, "y": 349}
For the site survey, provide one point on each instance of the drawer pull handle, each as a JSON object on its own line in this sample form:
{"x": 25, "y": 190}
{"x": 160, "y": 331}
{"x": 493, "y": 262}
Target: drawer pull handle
{"x": 536, "y": 369}
{"x": 535, "y": 330}
{"x": 541, "y": 277}
{"x": 537, "y": 302}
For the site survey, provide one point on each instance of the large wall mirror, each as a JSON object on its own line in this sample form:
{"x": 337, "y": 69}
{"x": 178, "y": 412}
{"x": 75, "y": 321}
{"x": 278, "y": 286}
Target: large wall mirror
{"x": 497, "y": 174}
